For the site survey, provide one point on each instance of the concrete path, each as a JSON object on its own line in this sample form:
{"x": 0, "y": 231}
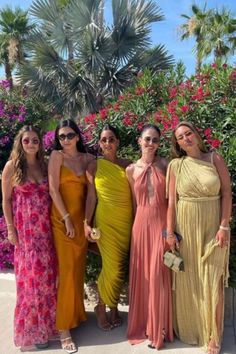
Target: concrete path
{"x": 89, "y": 338}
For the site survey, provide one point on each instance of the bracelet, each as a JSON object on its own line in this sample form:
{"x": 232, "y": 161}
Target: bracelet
{"x": 225, "y": 228}
{"x": 65, "y": 216}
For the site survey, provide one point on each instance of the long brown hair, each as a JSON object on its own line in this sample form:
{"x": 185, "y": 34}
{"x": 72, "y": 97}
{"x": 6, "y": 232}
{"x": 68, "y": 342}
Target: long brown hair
{"x": 18, "y": 155}
{"x": 176, "y": 151}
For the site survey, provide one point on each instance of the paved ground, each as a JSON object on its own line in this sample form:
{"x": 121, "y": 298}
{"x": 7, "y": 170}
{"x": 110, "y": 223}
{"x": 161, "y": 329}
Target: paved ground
{"x": 89, "y": 338}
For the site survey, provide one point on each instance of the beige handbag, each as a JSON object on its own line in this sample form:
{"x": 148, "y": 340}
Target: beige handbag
{"x": 174, "y": 261}
{"x": 95, "y": 233}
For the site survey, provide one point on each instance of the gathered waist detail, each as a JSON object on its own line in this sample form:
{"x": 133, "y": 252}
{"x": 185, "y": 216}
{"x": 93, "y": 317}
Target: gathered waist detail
{"x": 199, "y": 199}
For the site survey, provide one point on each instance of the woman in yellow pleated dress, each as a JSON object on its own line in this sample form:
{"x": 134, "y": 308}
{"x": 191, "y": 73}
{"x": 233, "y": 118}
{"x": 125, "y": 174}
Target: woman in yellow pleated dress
{"x": 109, "y": 207}
{"x": 199, "y": 209}
{"x": 67, "y": 185}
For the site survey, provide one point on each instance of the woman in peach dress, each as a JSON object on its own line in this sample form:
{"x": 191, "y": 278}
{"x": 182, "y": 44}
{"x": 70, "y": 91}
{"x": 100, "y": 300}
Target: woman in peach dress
{"x": 150, "y": 310}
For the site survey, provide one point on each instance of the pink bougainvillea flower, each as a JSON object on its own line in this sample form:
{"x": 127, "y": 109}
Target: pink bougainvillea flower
{"x": 139, "y": 91}
{"x": 173, "y": 92}
{"x": 90, "y": 118}
{"x": 207, "y": 132}
{"x": 103, "y": 113}
{"x": 215, "y": 143}
{"x": 214, "y": 65}
{"x": 48, "y": 139}
{"x": 184, "y": 108}
{"x": 140, "y": 126}
{"x": 121, "y": 98}
{"x": 116, "y": 107}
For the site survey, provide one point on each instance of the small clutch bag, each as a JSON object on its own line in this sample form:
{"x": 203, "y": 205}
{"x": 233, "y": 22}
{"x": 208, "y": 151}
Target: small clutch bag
{"x": 95, "y": 233}
{"x": 174, "y": 261}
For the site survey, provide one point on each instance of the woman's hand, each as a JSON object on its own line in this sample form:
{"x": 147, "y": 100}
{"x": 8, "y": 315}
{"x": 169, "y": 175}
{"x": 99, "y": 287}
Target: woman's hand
{"x": 172, "y": 241}
{"x": 70, "y": 231}
{"x": 222, "y": 237}
{"x": 12, "y": 236}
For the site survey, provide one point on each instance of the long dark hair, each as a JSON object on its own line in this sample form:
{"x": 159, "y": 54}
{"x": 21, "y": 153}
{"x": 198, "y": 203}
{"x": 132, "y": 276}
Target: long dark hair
{"x": 18, "y": 155}
{"x": 71, "y": 124}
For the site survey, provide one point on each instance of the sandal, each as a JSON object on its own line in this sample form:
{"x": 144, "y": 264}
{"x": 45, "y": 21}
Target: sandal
{"x": 213, "y": 349}
{"x": 115, "y": 320}
{"x": 103, "y": 323}
{"x": 68, "y": 345}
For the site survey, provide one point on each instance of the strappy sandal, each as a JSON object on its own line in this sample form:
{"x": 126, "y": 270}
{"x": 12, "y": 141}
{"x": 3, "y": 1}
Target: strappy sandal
{"x": 117, "y": 320}
{"x": 103, "y": 325}
{"x": 68, "y": 345}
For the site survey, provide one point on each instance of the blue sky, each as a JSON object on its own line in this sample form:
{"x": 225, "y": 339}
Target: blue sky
{"x": 164, "y": 32}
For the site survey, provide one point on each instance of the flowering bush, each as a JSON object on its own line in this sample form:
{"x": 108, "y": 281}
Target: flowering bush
{"x": 207, "y": 99}
{"x": 6, "y": 249}
{"x": 17, "y": 108}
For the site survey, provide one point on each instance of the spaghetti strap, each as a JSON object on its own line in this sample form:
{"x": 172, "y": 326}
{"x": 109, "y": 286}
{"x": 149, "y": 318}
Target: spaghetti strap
{"x": 212, "y": 158}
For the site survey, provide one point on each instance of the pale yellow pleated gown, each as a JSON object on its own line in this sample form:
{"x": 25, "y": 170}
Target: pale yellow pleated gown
{"x": 198, "y": 217}
{"x": 114, "y": 218}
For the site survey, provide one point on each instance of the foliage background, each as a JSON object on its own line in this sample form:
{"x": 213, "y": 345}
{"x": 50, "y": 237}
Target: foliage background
{"x": 207, "y": 99}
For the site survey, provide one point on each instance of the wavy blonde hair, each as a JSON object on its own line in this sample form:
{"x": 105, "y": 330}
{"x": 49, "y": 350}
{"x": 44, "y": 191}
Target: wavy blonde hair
{"x": 18, "y": 155}
{"x": 176, "y": 151}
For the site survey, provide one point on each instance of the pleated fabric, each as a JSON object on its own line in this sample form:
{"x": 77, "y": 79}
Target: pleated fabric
{"x": 114, "y": 217}
{"x": 206, "y": 264}
{"x": 71, "y": 252}
{"x": 150, "y": 301}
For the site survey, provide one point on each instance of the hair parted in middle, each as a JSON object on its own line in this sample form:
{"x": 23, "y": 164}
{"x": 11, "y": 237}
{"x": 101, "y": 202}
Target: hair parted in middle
{"x": 176, "y": 151}
{"x": 111, "y": 128}
{"x": 18, "y": 155}
{"x": 71, "y": 124}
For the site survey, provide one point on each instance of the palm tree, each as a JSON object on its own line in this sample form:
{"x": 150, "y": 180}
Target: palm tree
{"x": 196, "y": 26}
{"x": 220, "y": 38}
{"x": 77, "y": 60}
{"x": 14, "y": 30}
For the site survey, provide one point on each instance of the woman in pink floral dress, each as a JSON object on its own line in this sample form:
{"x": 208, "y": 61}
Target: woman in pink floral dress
{"x": 26, "y": 207}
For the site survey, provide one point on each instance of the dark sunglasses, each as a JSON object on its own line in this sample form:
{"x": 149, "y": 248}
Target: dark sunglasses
{"x": 148, "y": 139}
{"x": 109, "y": 140}
{"x": 68, "y": 136}
{"x": 34, "y": 141}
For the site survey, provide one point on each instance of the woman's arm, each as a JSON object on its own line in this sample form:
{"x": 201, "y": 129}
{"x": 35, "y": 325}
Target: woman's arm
{"x": 91, "y": 199}
{"x": 54, "y": 166}
{"x": 222, "y": 235}
{"x": 129, "y": 175}
{"x": 171, "y": 213}
{"x": 7, "y": 202}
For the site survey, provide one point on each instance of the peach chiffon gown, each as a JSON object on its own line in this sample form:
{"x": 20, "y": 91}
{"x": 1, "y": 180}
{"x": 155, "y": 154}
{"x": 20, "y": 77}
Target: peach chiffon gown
{"x": 150, "y": 301}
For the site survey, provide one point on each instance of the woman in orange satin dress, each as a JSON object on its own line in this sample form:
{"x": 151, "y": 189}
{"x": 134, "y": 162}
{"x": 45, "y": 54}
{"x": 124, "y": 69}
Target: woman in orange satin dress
{"x": 67, "y": 185}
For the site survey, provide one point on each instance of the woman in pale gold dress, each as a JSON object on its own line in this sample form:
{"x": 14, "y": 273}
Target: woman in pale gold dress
{"x": 199, "y": 209}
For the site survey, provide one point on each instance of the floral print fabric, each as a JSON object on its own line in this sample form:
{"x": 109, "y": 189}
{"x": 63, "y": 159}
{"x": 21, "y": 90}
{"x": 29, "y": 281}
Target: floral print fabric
{"x": 35, "y": 265}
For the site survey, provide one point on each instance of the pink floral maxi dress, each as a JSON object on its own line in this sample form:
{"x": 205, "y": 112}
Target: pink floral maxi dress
{"x": 34, "y": 264}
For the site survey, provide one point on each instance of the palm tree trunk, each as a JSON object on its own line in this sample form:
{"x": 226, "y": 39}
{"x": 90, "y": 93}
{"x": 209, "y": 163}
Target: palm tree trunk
{"x": 8, "y": 72}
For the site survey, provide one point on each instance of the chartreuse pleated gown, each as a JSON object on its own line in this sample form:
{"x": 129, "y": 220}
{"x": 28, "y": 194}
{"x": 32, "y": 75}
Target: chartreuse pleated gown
{"x": 206, "y": 264}
{"x": 114, "y": 218}
{"x": 71, "y": 252}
